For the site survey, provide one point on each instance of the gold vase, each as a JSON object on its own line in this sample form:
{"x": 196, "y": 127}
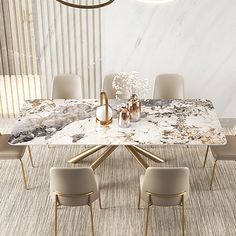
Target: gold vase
{"x": 134, "y": 106}
{"x": 124, "y": 116}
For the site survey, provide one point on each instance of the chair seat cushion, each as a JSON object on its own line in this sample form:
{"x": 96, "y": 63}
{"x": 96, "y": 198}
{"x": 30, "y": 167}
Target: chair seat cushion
{"x": 8, "y": 151}
{"x": 227, "y": 151}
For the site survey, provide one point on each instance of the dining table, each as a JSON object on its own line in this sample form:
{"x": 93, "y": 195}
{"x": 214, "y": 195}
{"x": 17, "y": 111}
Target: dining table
{"x": 73, "y": 122}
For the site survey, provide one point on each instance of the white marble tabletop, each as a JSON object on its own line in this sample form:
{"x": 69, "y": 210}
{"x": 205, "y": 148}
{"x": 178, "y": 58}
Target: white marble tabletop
{"x": 64, "y": 122}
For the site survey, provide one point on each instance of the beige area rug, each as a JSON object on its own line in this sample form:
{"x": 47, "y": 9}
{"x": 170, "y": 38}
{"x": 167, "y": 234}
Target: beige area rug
{"x": 30, "y": 213}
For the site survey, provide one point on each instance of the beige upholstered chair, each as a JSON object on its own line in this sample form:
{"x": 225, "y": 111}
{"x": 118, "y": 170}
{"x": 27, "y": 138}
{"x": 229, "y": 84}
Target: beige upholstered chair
{"x": 222, "y": 153}
{"x": 9, "y": 152}
{"x": 72, "y": 186}
{"x": 169, "y": 86}
{"x": 67, "y": 86}
{"x": 107, "y": 86}
{"x": 164, "y": 187}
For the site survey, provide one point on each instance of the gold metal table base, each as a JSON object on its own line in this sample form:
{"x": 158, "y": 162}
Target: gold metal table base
{"x": 86, "y": 153}
{"x": 137, "y": 157}
{"x": 109, "y": 150}
{"x": 134, "y": 150}
{"x": 148, "y": 154}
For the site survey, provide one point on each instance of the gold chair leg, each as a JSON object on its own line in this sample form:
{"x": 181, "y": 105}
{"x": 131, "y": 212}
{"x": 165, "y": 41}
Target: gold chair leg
{"x": 206, "y": 156}
{"x": 213, "y": 173}
{"x": 99, "y": 199}
{"x": 55, "y": 225}
{"x": 30, "y": 157}
{"x": 91, "y": 217}
{"x": 183, "y": 216}
{"x": 139, "y": 197}
{"x": 148, "y": 205}
{"x": 23, "y": 174}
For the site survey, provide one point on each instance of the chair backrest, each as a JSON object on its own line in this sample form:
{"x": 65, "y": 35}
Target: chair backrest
{"x": 67, "y": 86}
{"x": 169, "y": 86}
{"x": 107, "y": 86}
{"x": 71, "y": 181}
{"x": 165, "y": 181}
{"x": 9, "y": 152}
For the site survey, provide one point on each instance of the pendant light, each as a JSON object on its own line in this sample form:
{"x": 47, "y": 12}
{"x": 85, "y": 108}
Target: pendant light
{"x": 69, "y": 3}
{"x": 155, "y": 1}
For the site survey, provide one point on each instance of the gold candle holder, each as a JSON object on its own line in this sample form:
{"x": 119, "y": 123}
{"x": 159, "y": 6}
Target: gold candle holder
{"x": 103, "y": 112}
{"x": 134, "y": 108}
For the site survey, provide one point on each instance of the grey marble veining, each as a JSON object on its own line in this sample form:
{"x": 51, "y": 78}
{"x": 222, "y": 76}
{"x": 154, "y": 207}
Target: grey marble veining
{"x": 190, "y": 121}
{"x": 194, "y": 38}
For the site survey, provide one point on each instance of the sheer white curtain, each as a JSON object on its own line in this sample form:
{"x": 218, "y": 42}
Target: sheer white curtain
{"x": 69, "y": 41}
{"x": 42, "y": 38}
{"x": 19, "y": 77}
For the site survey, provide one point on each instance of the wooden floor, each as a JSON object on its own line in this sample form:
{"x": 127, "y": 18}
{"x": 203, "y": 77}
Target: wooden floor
{"x": 24, "y": 213}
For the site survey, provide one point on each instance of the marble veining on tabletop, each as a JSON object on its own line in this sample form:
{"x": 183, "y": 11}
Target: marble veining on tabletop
{"x": 62, "y": 122}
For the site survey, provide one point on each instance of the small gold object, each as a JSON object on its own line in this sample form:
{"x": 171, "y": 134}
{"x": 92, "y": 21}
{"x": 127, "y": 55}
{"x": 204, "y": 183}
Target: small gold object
{"x": 124, "y": 116}
{"x": 103, "y": 112}
{"x": 134, "y": 108}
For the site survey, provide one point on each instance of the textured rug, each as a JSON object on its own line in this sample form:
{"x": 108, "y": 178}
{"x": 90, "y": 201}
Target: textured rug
{"x": 31, "y": 212}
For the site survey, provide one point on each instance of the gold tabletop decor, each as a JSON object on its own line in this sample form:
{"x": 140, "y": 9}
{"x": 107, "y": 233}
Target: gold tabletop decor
{"x": 103, "y": 112}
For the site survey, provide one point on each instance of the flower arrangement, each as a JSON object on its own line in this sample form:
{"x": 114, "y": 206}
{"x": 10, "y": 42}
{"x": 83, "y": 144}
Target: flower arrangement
{"x": 127, "y": 84}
